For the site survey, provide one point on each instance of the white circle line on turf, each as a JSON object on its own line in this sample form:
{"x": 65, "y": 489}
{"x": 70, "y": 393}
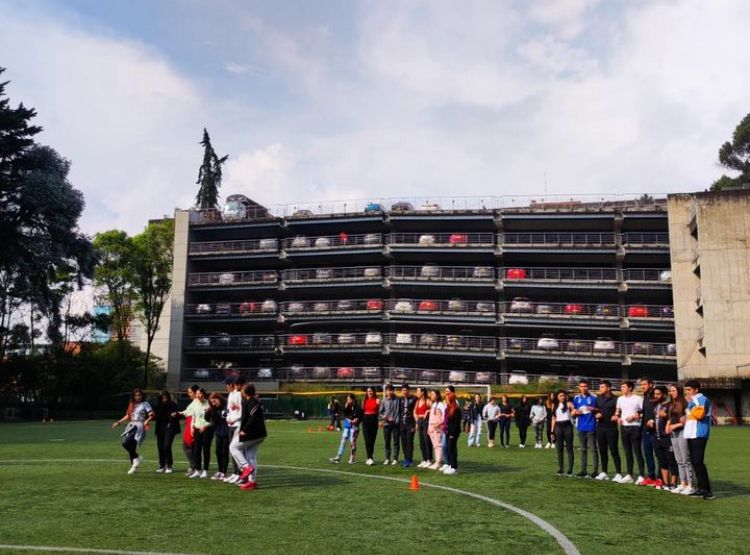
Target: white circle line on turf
{"x": 52, "y": 549}
{"x": 567, "y": 546}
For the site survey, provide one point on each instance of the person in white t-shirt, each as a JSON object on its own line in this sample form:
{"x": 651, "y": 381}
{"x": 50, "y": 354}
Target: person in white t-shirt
{"x": 139, "y": 414}
{"x": 234, "y": 418}
{"x": 628, "y": 413}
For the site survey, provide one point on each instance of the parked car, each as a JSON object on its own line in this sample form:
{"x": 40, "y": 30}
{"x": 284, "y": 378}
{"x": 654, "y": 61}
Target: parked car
{"x": 371, "y": 373}
{"x": 223, "y": 339}
{"x": 374, "y": 338}
{"x": 300, "y": 242}
{"x": 297, "y": 371}
{"x": 428, "y": 306}
{"x": 430, "y": 271}
{"x": 515, "y": 344}
{"x": 201, "y": 373}
{"x": 455, "y": 342}
{"x": 223, "y": 309}
{"x": 268, "y": 244}
{"x": 456, "y": 305}
{"x": 269, "y": 305}
{"x": 267, "y": 342}
{"x": 269, "y": 275}
{"x": 345, "y": 305}
{"x": 457, "y": 376}
{"x": 324, "y": 273}
{"x": 322, "y": 243}
{"x": 547, "y": 342}
{"x": 573, "y": 309}
{"x": 604, "y": 345}
{"x": 405, "y": 374}
{"x": 640, "y": 348}
{"x": 295, "y": 306}
{"x": 371, "y": 272}
{"x": 403, "y": 306}
{"x": 404, "y": 339}
{"x": 428, "y": 375}
{"x": 248, "y": 341}
{"x": 667, "y": 312}
{"x": 345, "y": 373}
{"x": 458, "y": 239}
{"x": 484, "y": 306}
{"x": 227, "y": 278}
{"x": 402, "y": 207}
{"x": 265, "y": 373}
{"x": 321, "y": 306}
{"x": 373, "y": 207}
{"x": 249, "y": 307}
{"x": 426, "y": 240}
{"x": 430, "y": 207}
{"x": 346, "y": 339}
{"x": 521, "y": 305}
{"x": 321, "y": 372}
{"x": 665, "y": 276}
{"x": 545, "y": 309}
{"x": 203, "y": 308}
{"x": 483, "y": 272}
{"x": 518, "y": 377}
{"x": 372, "y": 239}
{"x": 320, "y": 338}
{"x": 638, "y": 311}
{"x": 374, "y": 305}
{"x": 606, "y": 310}
{"x": 202, "y": 341}
{"x": 670, "y": 350}
{"x": 575, "y": 346}
{"x": 302, "y": 213}
{"x": 515, "y": 273}
{"x": 548, "y": 378}
{"x": 483, "y": 377}
{"x": 297, "y": 340}
{"x": 429, "y": 340}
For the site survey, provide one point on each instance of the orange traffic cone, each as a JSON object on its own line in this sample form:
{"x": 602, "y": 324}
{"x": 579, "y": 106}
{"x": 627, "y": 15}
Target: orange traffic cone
{"x": 414, "y": 483}
{"x": 309, "y": 430}
{"x": 320, "y": 429}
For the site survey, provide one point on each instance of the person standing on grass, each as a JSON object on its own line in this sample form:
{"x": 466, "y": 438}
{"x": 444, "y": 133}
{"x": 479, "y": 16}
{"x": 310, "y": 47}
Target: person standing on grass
{"x": 538, "y": 416}
{"x": 334, "y": 413}
{"x": 435, "y": 428}
{"x": 217, "y": 415}
{"x": 697, "y": 429}
{"x": 252, "y": 434}
{"x": 664, "y": 456}
{"x": 187, "y": 434}
{"x": 452, "y": 429}
{"x": 352, "y": 420}
{"x": 234, "y": 418}
{"x": 648, "y": 429}
{"x": 139, "y": 414}
{"x": 675, "y": 428}
{"x": 390, "y": 414}
{"x": 408, "y": 424}
{"x": 585, "y": 409}
{"x": 202, "y": 433}
{"x": 606, "y": 431}
{"x": 490, "y": 414}
{"x": 628, "y": 412}
{"x": 523, "y": 420}
{"x": 562, "y": 436}
{"x": 167, "y": 427}
{"x": 466, "y": 421}
{"x": 506, "y": 416}
{"x": 370, "y": 409}
{"x": 421, "y": 415}
{"x": 550, "y": 404}
{"x": 475, "y": 413}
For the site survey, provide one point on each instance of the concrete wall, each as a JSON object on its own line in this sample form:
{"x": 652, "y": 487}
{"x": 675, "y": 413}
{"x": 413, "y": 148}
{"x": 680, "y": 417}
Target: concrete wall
{"x": 177, "y": 301}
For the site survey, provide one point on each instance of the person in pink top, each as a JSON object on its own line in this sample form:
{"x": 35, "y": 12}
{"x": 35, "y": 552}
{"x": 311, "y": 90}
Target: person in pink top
{"x": 435, "y": 428}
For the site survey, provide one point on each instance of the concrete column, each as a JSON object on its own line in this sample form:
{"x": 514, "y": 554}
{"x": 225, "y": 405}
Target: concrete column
{"x": 177, "y": 298}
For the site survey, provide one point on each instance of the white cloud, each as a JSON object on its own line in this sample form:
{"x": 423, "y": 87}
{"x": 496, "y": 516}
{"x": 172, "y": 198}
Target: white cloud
{"x": 555, "y": 56}
{"x": 565, "y": 17}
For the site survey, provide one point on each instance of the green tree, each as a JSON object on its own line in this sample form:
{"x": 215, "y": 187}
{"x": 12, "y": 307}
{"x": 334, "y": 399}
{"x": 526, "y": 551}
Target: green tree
{"x": 735, "y": 156}
{"x": 152, "y": 269}
{"x": 114, "y": 273}
{"x": 209, "y": 175}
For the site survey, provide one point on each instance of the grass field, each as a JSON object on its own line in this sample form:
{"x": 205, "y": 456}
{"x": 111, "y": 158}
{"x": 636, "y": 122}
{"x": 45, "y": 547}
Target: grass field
{"x": 65, "y": 484}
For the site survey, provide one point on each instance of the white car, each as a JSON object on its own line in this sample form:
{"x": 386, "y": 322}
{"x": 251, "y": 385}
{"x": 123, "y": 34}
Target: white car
{"x": 426, "y": 240}
{"x": 547, "y": 343}
{"x": 518, "y": 377}
{"x": 456, "y": 305}
{"x": 604, "y": 345}
{"x": 430, "y": 271}
{"x": 521, "y": 305}
{"x": 484, "y": 306}
{"x": 295, "y": 306}
{"x": 374, "y": 338}
{"x": 267, "y": 244}
{"x": 203, "y": 309}
{"x": 323, "y": 273}
{"x": 404, "y": 339}
{"x": 202, "y": 341}
{"x": 403, "y": 306}
{"x": 548, "y": 378}
{"x": 371, "y": 272}
{"x": 227, "y": 278}
{"x": 483, "y": 272}
{"x": 300, "y": 242}
{"x": 322, "y": 242}
{"x": 268, "y": 305}
{"x": 346, "y": 339}
{"x": 483, "y": 377}
{"x": 457, "y": 376}
{"x": 665, "y": 276}
{"x": 265, "y": 373}
{"x": 430, "y": 207}
{"x": 372, "y": 239}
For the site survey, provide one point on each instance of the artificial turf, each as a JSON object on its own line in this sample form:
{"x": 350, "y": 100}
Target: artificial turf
{"x": 95, "y": 504}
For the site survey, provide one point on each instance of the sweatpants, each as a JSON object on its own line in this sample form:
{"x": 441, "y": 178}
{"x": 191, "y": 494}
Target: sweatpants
{"x": 246, "y": 454}
{"x": 564, "y": 443}
{"x": 697, "y": 450}
{"x": 234, "y": 438}
{"x": 648, "y": 441}
{"x": 164, "y": 439}
{"x": 407, "y": 442}
{"x": 202, "y": 447}
{"x": 222, "y": 453}
{"x": 491, "y": 428}
{"x": 538, "y": 432}
{"x": 588, "y": 442}
{"x": 391, "y": 434}
{"x": 436, "y": 438}
{"x": 370, "y": 431}
{"x": 606, "y": 439}
{"x": 631, "y": 445}
{"x": 505, "y": 431}
{"x": 425, "y": 444}
{"x": 682, "y": 456}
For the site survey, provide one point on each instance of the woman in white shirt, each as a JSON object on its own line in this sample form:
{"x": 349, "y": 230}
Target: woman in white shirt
{"x": 562, "y": 425}
{"x": 139, "y": 414}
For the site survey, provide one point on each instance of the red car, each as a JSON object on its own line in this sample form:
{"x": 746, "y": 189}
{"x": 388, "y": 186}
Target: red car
{"x": 638, "y": 311}
{"x": 249, "y": 308}
{"x": 573, "y": 309}
{"x": 515, "y": 273}
{"x": 459, "y": 239}
{"x": 428, "y": 306}
{"x": 375, "y": 304}
{"x": 297, "y": 340}
{"x": 345, "y": 372}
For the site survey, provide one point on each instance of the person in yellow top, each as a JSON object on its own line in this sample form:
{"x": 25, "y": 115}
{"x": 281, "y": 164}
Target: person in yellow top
{"x": 202, "y": 433}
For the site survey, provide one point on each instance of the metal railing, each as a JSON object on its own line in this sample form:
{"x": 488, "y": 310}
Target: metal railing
{"x": 453, "y": 307}
{"x": 559, "y": 274}
{"x": 650, "y": 239}
{"x": 431, "y": 272}
{"x": 247, "y": 309}
{"x": 233, "y": 342}
{"x": 327, "y": 373}
{"x": 226, "y": 279}
{"x": 340, "y": 306}
{"x": 325, "y": 340}
{"x": 268, "y": 245}
{"x": 659, "y": 275}
{"x": 329, "y": 242}
{"x": 326, "y": 275}
{"x": 649, "y": 350}
{"x": 214, "y": 216}
{"x": 427, "y": 240}
{"x": 204, "y": 374}
{"x": 570, "y": 239}
{"x": 649, "y": 311}
{"x": 572, "y": 346}
{"x": 522, "y": 306}
{"x": 429, "y": 341}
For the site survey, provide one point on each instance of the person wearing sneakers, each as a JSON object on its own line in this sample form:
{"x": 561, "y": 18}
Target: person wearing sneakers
{"x": 550, "y": 404}
{"x": 538, "y": 417}
{"x": 139, "y": 413}
{"x": 523, "y": 420}
{"x": 421, "y": 416}
{"x": 390, "y": 414}
{"x": 585, "y": 411}
{"x": 562, "y": 436}
{"x": 452, "y": 426}
{"x": 475, "y": 415}
{"x": 167, "y": 427}
{"x": 506, "y": 417}
{"x": 490, "y": 414}
{"x": 677, "y": 418}
{"x": 667, "y": 465}
{"x": 435, "y": 428}
{"x": 234, "y": 387}
{"x": 352, "y": 420}
{"x": 408, "y": 424}
{"x": 697, "y": 430}
{"x": 628, "y": 412}
{"x": 606, "y": 431}
{"x": 217, "y": 415}
{"x": 252, "y": 434}
{"x": 202, "y": 433}
{"x": 187, "y": 432}
{"x": 370, "y": 409}
{"x": 648, "y": 430}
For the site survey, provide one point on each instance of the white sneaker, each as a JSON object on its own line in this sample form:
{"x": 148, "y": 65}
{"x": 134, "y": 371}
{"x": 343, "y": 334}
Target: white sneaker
{"x": 442, "y": 468}
{"x": 627, "y": 479}
{"x": 521, "y": 446}
{"x": 195, "y": 474}
{"x": 537, "y": 446}
{"x": 602, "y": 476}
{"x": 639, "y": 481}
{"x": 160, "y": 470}
{"x": 678, "y": 489}
{"x": 548, "y": 446}
{"x": 204, "y": 474}
{"x": 139, "y": 459}
{"x": 450, "y": 471}
{"x": 394, "y": 462}
{"x": 688, "y": 490}
{"x": 133, "y": 468}
{"x": 217, "y": 476}
{"x": 233, "y": 479}
{"x": 369, "y": 462}
{"x": 386, "y": 462}
{"x": 167, "y": 470}
{"x": 617, "y": 478}
{"x": 137, "y": 462}
{"x": 434, "y": 466}
{"x": 351, "y": 460}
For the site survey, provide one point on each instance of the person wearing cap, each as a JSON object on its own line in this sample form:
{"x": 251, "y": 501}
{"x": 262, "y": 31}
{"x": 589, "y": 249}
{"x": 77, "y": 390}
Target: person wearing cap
{"x": 234, "y": 386}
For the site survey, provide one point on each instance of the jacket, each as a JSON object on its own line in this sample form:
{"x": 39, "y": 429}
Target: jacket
{"x": 164, "y": 419}
{"x": 253, "y": 425}
{"x": 406, "y": 408}
{"x": 353, "y": 413}
{"x": 453, "y": 422}
{"x": 538, "y": 414}
{"x": 389, "y": 410}
{"x": 649, "y": 405}
{"x": 607, "y": 405}
{"x": 523, "y": 414}
{"x": 476, "y": 410}
{"x": 218, "y": 419}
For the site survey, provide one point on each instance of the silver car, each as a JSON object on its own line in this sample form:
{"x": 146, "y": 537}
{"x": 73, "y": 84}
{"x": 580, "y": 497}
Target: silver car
{"x": 203, "y": 308}
{"x": 403, "y": 306}
{"x": 295, "y": 306}
{"x": 483, "y": 272}
{"x": 372, "y": 239}
{"x": 268, "y": 305}
{"x": 300, "y": 242}
{"x": 371, "y": 272}
{"x": 426, "y": 240}
{"x": 346, "y": 339}
{"x": 267, "y": 244}
{"x": 322, "y": 243}
{"x": 227, "y": 278}
{"x": 323, "y": 273}
{"x": 430, "y": 271}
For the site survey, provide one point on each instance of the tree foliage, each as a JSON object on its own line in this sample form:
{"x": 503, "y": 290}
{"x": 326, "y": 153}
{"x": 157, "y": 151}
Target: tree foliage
{"x": 209, "y": 175}
{"x": 114, "y": 273}
{"x": 735, "y": 156}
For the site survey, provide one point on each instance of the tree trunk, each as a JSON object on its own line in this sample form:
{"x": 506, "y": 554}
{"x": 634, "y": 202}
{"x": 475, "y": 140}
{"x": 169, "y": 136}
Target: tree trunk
{"x": 145, "y": 364}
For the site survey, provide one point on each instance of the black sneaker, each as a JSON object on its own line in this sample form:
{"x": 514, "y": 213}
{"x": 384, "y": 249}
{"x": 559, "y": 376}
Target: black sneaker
{"x": 709, "y": 496}
{"x": 569, "y": 474}
{"x": 582, "y": 475}
{"x": 592, "y": 476}
{"x": 698, "y": 493}
{"x": 560, "y": 473}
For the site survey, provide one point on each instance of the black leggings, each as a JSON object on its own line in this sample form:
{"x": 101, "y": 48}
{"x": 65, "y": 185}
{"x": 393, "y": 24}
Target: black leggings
{"x": 697, "y": 450}
{"x": 131, "y": 445}
{"x": 370, "y": 431}
{"x": 522, "y": 429}
{"x": 631, "y": 444}
{"x": 491, "y": 428}
{"x": 505, "y": 431}
{"x": 164, "y": 439}
{"x": 222, "y": 453}
{"x": 606, "y": 438}
{"x": 549, "y": 426}
{"x": 202, "y": 446}
{"x": 453, "y": 451}
{"x": 425, "y": 443}
{"x": 564, "y": 442}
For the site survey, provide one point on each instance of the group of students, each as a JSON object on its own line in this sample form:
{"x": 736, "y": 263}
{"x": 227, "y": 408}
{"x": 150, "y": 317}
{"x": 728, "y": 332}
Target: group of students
{"x": 235, "y": 424}
{"x": 434, "y": 416}
{"x": 501, "y": 415}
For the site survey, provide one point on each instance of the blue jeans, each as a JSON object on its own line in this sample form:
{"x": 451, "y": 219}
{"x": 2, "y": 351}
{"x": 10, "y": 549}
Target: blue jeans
{"x": 350, "y": 435}
{"x": 475, "y": 432}
{"x": 444, "y": 448}
{"x": 648, "y": 442}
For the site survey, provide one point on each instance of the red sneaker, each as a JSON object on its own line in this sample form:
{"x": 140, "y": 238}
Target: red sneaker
{"x": 648, "y": 482}
{"x": 658, "y": 483}
{"x": 249, "y": 485}
{"x": 246, "y": 472}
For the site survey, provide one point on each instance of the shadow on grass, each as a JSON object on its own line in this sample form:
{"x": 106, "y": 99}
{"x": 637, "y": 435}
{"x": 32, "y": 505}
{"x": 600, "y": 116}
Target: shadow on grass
{"x": 277, "y": 478}
{"x": 471, "y": 467}
{"x": 722, "y": 488}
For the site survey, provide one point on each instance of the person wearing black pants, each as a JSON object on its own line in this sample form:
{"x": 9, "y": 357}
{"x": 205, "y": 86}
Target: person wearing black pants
{"x": 628, "y": 412}
{"x": 506, "y": 416}
{"x": 550, "y": 404}
{"x": 563, "y": 432}
{"x": 202, "y": 433}
{"x": 167, "y": 427}
{"x": 606, "y": 431}
{"x": 648, "y": 431}
{"x": 217, "y": 415}
{"x": 523, "y": 420}
{"x": 370, "y": 408}
{"x": 390, "y": 414}
{"x": 697, "y": 431}
{"x": 421, "y": 414}
{"x": 452, "y": 429}
{"x": 408, "y": 425}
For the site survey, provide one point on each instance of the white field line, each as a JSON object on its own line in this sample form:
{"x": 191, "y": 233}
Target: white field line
{"x": 567, "y": 546}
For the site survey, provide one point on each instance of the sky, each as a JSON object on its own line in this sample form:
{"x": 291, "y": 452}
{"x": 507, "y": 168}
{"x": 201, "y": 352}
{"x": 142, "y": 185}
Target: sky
{"x": 333, "y": 100}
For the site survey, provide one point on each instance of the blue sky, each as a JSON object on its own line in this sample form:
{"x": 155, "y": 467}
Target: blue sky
{"x": 318, "y": 101}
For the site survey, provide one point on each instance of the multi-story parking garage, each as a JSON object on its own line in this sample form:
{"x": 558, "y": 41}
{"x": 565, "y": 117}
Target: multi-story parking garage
{"x": 471, "y": 294}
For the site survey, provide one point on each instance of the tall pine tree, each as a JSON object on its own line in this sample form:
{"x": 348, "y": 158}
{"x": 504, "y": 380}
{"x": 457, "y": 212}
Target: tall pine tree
{"x": 209, "y": 175}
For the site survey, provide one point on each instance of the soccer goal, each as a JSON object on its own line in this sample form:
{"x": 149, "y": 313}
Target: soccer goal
{"x": 463, "y": 390}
